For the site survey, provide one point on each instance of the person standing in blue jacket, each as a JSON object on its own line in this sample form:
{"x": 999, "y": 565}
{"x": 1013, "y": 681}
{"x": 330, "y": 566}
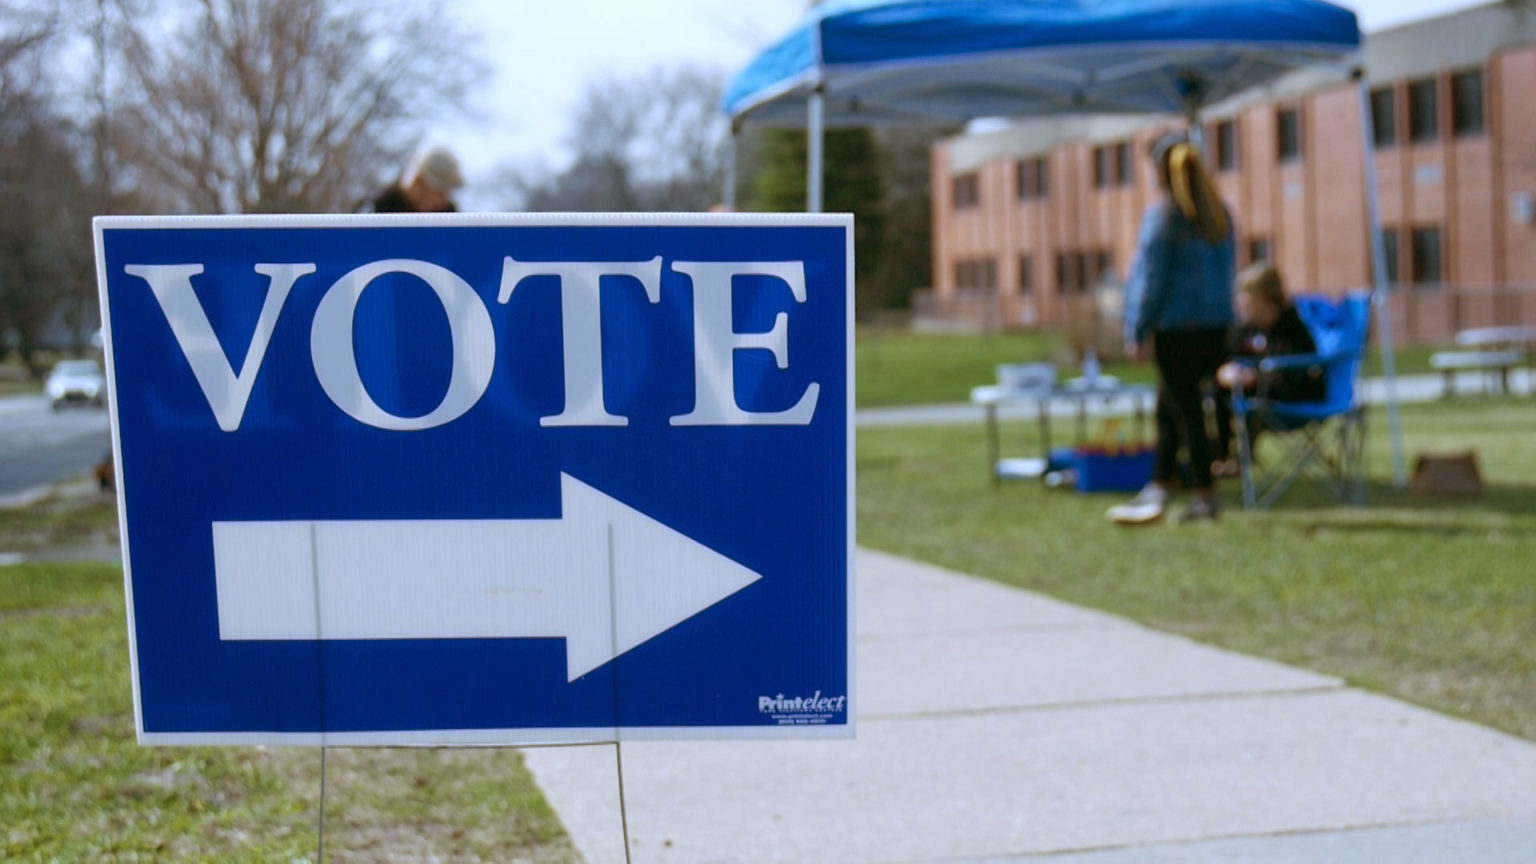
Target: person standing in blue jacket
{"x": 1179, "y": 299}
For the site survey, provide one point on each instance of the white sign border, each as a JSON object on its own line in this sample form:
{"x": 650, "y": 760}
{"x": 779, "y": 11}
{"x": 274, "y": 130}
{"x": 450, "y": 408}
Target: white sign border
{"x": 510, "y": 737}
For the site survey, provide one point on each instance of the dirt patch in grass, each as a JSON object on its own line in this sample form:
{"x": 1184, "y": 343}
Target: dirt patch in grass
{"x": 76, "y": 518}
{"x": 55, "y": 612}
{"x": 76, "y": 786}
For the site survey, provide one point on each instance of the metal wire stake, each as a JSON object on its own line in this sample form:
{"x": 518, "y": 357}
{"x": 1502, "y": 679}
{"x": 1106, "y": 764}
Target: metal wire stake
{"x": 618, "y": 758}
{"x": 314, "y": 563}
{"x": 320, "y": 854}
{"x": 618, "y": 747}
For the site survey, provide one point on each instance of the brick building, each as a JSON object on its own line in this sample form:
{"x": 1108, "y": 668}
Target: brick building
{"x": 1028, "y": 219}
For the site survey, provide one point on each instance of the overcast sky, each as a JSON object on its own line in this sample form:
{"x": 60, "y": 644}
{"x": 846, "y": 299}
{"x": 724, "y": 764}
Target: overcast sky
{"x": 544, "y": 51}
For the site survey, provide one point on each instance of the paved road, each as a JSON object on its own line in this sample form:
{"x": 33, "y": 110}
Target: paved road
{"x": 1000, "y": 725}
{"x": 39, "y": 447}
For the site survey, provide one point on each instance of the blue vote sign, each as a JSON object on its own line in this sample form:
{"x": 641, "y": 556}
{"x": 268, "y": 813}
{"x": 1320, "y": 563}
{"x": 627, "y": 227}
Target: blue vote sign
{"x": 492, "y": 479}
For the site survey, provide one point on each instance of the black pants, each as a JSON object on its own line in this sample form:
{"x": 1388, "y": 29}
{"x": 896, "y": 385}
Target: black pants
{"x": 1221, "y": 397}
{"x": 1185, "y": 359}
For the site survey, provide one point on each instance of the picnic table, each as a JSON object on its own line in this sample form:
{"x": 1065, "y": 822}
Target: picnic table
{"x": 1493, "y": 350}
{"x": 1076, "y": 394}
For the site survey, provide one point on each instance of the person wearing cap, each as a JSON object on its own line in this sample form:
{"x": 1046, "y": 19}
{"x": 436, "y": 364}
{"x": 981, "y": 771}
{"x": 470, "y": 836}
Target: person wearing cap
{"x": 1179, "y": 299}
{"x": 427, "y": 186}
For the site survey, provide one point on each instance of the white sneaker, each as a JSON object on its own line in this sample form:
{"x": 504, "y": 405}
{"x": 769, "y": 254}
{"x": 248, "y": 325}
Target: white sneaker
{"x": 1147, "y": 507}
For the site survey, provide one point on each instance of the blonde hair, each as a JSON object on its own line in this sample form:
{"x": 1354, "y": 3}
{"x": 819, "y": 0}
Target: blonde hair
{"x": 1194, "y": 193}
{"x": 1263, "y": 280}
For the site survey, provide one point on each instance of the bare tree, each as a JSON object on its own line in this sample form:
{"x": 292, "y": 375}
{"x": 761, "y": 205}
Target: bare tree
{"x": 103, "y": 24}
{"x": 651, "y": 142}
{"x": 678, "y": 154}
{"x": 906, "y": 260}
{"x": 257, "y": 106}
{"x": 24, "y": 28}
{"x": 44, "y": 218}
{"x": 44, "y": 256}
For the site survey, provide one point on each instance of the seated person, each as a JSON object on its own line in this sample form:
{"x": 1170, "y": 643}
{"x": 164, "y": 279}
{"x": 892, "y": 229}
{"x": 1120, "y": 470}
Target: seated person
{"x": 1269, "y": 326}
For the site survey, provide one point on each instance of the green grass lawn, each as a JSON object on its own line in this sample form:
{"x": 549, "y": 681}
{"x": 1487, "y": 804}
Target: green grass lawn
{"x": 1411, "y": 360}
{"x": 75, "y": 786}
{"x": 1430, "y": 600}
{"x": 902, "y": 368}
{"x": 1433, "y": 601}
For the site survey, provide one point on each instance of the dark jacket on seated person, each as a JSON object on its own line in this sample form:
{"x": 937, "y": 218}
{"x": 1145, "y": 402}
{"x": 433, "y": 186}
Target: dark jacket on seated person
{"x": 1289, "y": 336}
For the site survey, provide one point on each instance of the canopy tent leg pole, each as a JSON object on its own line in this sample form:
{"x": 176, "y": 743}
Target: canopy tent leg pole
{"x": 1380, "y": 290}
{"x": 1196, "y": 131}
{"x": 814, "y": 134}
{"x": 728, "y": 194}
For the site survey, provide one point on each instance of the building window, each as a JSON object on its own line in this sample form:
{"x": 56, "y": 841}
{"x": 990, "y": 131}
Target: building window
{"x": 1428, "y": 267}
{"x": 1102, "y": 168}
{"x": 1384, "y": 117}
{"x": 1423, "y": 124}
{"x": 1125, "y": 169}
{"x": 1066, "y": 273}
{"x": 1032, "y": 179}
{"x": 976, "y": 274}
{"x": 1258, "y": 250}
{"x": 1467, "y": 103}
{"x": 1224, "y": 142}
{"x": 1112, "y": 166}
{"x": 967, "y": 191}
{"x": 1390, "y": 252}
{"x": 1103, "y": 267}
{"x": 1288, "y": 134}
{"x": 1078, "y": 272}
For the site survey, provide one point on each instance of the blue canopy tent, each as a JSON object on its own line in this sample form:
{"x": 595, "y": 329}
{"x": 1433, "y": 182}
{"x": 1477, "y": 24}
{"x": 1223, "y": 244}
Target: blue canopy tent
{"x": 882, "y": 62}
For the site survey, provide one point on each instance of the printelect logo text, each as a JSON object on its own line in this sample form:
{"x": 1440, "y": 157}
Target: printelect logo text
{"x": 815, "y": 703}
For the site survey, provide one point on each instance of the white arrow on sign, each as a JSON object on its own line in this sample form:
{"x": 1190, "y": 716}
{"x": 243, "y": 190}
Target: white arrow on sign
{"x": 472, "y": 579}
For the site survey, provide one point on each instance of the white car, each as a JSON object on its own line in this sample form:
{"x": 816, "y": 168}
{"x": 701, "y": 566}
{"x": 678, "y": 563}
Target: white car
{"x": 76, "y": 381}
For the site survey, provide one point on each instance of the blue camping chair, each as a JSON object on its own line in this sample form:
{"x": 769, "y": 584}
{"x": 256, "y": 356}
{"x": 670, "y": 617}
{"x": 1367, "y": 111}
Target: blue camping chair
{"x": 1324, "y": 439}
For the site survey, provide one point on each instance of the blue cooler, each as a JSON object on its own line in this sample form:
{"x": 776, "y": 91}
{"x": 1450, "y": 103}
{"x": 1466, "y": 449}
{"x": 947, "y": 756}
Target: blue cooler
{"x": 1117, "y": 470}
{"x": 1062, "y": 459}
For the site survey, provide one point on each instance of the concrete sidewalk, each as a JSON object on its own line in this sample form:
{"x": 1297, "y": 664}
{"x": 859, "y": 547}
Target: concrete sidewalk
{"x": 999, "y": 725}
